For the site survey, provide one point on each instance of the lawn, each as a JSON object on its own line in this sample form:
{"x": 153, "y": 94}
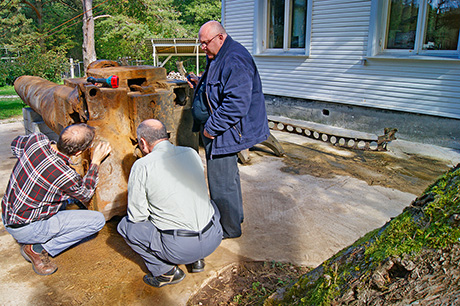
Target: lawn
{"x": 7, "y": 91}
{"x": 10, "y": 107}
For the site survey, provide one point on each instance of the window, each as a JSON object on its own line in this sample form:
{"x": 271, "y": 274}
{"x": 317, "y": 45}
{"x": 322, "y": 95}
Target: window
{"x": 286, "y": 28}
{"x": 421, "y": 27}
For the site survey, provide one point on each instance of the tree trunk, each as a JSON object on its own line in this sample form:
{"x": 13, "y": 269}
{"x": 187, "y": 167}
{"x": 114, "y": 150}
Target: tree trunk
{"x": 89, "y": 51}
{"x": 38, "y": 9}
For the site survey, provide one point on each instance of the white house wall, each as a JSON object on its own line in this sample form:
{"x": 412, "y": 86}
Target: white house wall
{"x": 337, "y": 70}
{"x": 238, "y": 19}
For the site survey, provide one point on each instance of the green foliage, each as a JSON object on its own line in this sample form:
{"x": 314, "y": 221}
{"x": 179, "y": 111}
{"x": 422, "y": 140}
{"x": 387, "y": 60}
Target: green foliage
{"x": 121, "y": 36}
{"x": 318, "y": 292}
{"x": 68, "y": 37}
{"x": 9, "y": 71}
{"x": 188, "y": 61}
{"x": 432, "y": 229}
{"x": 195, "y": 13}
{"x": 13, "y": 23}
{"x": 48, "y": 64}
{"x": 122, "y": 30}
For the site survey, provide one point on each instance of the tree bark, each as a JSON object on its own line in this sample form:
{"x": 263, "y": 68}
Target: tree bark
{"x": 89, "y": 50}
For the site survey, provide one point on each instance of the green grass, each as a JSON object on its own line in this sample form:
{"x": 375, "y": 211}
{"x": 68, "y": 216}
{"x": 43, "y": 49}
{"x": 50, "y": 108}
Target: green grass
{"x": 10, "y": 107}
{"x": 7, "y": 91}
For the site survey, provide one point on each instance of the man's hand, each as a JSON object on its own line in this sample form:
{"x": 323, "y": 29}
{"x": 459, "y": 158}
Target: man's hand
{"x": 100, "y": 152}
{"x": 192, "y": 80}
{"x": 206, "y": 134}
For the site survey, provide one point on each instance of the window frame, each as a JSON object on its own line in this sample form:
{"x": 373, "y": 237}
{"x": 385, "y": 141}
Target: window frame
{"x": 261, "y": 33}
{"x": 379, "y": 23}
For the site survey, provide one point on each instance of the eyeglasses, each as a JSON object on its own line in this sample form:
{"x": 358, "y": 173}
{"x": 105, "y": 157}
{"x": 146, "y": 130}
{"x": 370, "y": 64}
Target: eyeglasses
{"x": 206, "y": 43}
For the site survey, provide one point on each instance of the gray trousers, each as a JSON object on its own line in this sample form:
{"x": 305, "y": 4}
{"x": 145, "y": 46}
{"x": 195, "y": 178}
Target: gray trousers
{"x": 161, "y": 252}
{"x": 225, "y": 189}
{"x": 61, "y": 231}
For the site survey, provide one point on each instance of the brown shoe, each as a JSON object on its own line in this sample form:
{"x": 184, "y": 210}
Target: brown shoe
{"x": 41, "y": 263}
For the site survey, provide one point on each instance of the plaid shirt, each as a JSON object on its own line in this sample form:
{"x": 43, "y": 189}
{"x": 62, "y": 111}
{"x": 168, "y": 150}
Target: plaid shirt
{"x": 41, "y": 181}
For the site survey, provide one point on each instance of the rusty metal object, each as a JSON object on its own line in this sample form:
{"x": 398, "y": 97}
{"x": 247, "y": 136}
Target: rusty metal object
{"x": 388, "y": 136}
{"x": 143, "y": 93}
{"x": 271, "y": 142}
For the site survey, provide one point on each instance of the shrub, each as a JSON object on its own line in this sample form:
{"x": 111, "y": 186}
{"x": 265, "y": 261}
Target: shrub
{"x": 36, "y": 61}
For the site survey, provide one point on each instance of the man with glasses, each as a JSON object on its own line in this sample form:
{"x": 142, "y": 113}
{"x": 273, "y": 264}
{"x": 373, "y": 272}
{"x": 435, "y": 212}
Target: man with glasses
{"x": 41, "y": 185}
{"x": 229, "y": 110}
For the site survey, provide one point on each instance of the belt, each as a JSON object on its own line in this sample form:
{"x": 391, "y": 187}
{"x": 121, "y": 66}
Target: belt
{"x": 185, "y": 233}
{"x": 17, "y": 225}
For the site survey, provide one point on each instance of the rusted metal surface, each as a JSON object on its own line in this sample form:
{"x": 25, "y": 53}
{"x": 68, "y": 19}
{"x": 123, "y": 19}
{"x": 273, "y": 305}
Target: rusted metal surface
{"x": 271, "y": 142}
{"x": 143, "y": 92}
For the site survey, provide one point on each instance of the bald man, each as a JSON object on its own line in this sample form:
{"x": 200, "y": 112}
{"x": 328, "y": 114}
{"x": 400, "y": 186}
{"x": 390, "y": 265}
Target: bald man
{"x": 229, "y": 110}
{"x": 171, "y": 219}
{"x": 42, "y": 182}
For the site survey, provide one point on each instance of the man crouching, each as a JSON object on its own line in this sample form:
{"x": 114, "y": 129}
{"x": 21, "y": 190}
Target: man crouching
{"x": 171, "y": 219}
{"x": 38, "y": 191}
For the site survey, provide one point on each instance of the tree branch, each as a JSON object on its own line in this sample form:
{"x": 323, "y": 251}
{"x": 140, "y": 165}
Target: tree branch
{"x": 34, "y": 8}
{"x": 102, "y": 16}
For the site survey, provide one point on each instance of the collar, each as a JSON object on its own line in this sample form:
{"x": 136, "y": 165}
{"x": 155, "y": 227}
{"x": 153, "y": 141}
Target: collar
{"x": 228, "y": 41}
{"x": 66, "y": 158}
{"x": 162, "y": 145}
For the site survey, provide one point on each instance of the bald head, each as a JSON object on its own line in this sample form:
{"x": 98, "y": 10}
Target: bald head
{"x": 151, "y": 130}
{"x": 212, "y": 36}
{"x": 212, "y": 27}
{"x": 75, "y": 138}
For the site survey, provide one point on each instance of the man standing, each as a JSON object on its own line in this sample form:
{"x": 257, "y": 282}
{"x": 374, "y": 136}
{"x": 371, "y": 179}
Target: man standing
{"x": 40, "y": 185}
{"x": 171, "y": 219}
{"x": 230, "y": 108}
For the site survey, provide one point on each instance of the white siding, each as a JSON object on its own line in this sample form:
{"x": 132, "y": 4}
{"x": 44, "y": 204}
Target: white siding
{"x": 336, "y": 70}
{"x": 238, "y": 18}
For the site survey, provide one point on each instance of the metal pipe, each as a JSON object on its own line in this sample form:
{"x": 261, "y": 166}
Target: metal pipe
{"x": 52, "y": 101}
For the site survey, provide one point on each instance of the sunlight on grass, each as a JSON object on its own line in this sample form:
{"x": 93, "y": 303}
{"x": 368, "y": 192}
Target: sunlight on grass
{"x": 10, "y": 108}
{"x": 7, "y": 91}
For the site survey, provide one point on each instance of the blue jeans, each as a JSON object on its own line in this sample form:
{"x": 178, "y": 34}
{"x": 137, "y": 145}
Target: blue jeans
{"x": 225, "y": 189}
{"x": 61, "y": 231}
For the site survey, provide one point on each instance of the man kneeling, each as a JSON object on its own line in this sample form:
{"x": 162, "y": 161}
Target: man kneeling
{"x": 41, "y": 185}
{"x": 171, "y": 219}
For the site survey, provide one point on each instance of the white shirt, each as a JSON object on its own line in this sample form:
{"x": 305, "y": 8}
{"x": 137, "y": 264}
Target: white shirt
{"x": 168, "y": 187}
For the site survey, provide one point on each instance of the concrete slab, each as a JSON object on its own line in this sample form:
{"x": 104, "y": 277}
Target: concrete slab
{"x": 301, "y": 208}
{"x": 323, "y": 128}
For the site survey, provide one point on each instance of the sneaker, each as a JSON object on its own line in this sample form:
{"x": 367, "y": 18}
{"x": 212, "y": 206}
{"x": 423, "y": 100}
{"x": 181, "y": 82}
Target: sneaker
{"x": 41, "y": 263}
{"x": 174, "y": 276}
{"x": 198, "y": 266}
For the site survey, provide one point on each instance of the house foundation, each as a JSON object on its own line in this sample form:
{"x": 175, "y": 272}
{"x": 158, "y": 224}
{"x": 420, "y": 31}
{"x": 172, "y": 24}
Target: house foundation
{"x": 413, "y": 127}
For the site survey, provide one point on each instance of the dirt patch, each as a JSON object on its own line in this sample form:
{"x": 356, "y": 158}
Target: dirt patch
{"x": 250, "y": 283}
{"x": 410, "y": 174}
{"x": 100, "y": 271}
{"x": 105, "y": 271}
{"x": 246, "y": 283}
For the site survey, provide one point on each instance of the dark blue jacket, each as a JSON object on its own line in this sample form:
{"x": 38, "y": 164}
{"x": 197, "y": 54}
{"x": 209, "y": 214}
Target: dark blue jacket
{"x": 238, "y": 118}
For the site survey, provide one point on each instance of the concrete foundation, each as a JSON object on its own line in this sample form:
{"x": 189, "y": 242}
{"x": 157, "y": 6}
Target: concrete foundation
{"x": 33, "y": 123}
{"x": 426, "y": 129}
